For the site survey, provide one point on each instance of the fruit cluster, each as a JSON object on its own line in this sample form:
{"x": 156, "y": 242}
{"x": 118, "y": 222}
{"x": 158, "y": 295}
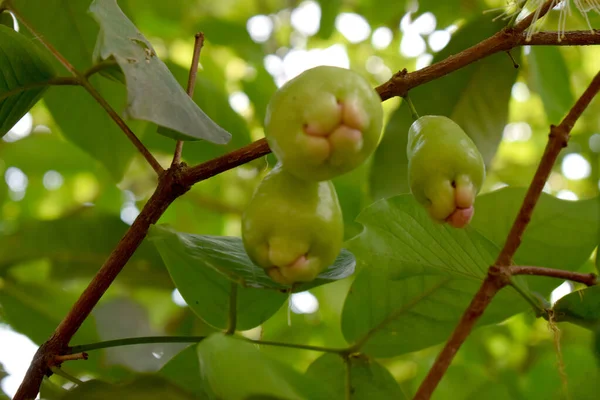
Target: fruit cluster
{"x": 321, "y": 124}
{"x": 327, "y": 122}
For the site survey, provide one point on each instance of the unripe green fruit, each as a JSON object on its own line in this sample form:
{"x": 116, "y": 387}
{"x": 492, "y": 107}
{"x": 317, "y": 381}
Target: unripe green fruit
{"x": 293, "y": 228}
{"x": 445, "y": 169}
{"x": 324, "y": 123}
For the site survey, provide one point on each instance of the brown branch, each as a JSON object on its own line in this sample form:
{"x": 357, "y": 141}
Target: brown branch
{"x": 586, "y": 279}
{"x": 198, "y": 44}
{"x": 499, "y": 274}
{"x": 254, "y": 150}
{"x": 70, "y": 357}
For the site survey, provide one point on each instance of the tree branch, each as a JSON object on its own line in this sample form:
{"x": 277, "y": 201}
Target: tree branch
{"x": 505, "y": 40}
{"x": 198, "y": 44}
{"x": 208, "y": 169}
{"x": 586, "y": 279}
{"x": 499, "y": 274}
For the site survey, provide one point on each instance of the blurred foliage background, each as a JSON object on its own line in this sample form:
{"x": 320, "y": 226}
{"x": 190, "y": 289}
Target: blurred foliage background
{"x": 72, "y": 183}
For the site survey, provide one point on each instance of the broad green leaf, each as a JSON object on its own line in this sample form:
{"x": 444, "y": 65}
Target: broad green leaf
{"x": 50, "y": 390}
{"x": 369, "y": 380}
{"x": 256, "y": 375}
{"x": 184, "y": 370}
{"x": 206, "y": 268}
{"x": 153, "y": 93}
{"x": 581, "y": 307}
{"x": 70, "y": 29}
{"x": 36, "y": 310}
{"x": 470, "y": 382}
{"x": 562, "y": 234}
{"x": 144, "y": 387}
{"x": 24, "y": 78}
{"x": 77, "y": 246}
{"x": 329, "y": 11}
{"x": 418, "y": 278}
{"x": 468, "y": 96}
{"x": 551, "y": 80}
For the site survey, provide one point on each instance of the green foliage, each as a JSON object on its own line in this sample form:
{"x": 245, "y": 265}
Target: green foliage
{"x": 581, "y": 307}
{"x": 367, "y": 378}
{"x": 143, "y": 387}
{"x": 207, "y": 269}
{"x": 578, "y": 223}
{"x": 255, "y": 374}
{"x": 152, "y": 92}
{"x": 412, "y": 297}
{"x": 371, "y": 325}
{"x": 24, "y": 72}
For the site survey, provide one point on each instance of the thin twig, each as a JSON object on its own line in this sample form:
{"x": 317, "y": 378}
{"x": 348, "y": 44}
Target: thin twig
{"x": 347, "y": 377}
{"x": 187, "y": 339}
{"x": 60, "y": 372}
{"x": 198, "y": 44}
{"x": 586, "y": 279}
{"x": 100, "y": 66}
{"x": 58, "y": 81}
{"x": 133, "y": 341}
{"x": 71, "y": 357}
{"x": 499, "y": 274}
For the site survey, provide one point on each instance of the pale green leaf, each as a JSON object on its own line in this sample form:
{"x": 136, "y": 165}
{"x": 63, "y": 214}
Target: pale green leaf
{"x": 153, "y": 93}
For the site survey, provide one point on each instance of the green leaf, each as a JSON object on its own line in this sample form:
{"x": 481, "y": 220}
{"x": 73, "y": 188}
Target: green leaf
{"x": 184, "y": 370}
{"x": 148, "y": 387}
{"x": 78, "y": 245}
{"x": 369, "y": 380}
{"x": 35, "y": 310}
{"x": 206, "y": 268}
{"x": 50, "y": 390}
{"x": 329, "y": 11}
{"x": 581, "y": 307}
{"x": 153, "y": 93}
{"x": 468, "y": 96}
{"x": 256, "y": 375}
{"x": 562, "y": 234}
{"x": 551, "y": 80}
{"x": 418, "y": 278}
{"x": 25, "y": 73}
{"x": 69, "y": 28}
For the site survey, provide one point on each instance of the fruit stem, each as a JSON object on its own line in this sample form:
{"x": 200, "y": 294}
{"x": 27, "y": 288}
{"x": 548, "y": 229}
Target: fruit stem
{"x": 411, "y": 106}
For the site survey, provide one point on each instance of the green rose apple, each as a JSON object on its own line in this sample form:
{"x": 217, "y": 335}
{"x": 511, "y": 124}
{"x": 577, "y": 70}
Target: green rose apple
{"x": 324, "y": 123}
{"x": 293, "y": 228}
{"x": 445, "y": 169}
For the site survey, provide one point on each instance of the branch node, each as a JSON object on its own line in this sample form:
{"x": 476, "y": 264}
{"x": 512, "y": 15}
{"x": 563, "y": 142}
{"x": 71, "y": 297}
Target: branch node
{"x": 59, "y": 359}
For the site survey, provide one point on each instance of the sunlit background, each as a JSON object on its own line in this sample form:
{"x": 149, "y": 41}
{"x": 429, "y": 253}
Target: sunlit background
{"x": 291, "y": 45}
